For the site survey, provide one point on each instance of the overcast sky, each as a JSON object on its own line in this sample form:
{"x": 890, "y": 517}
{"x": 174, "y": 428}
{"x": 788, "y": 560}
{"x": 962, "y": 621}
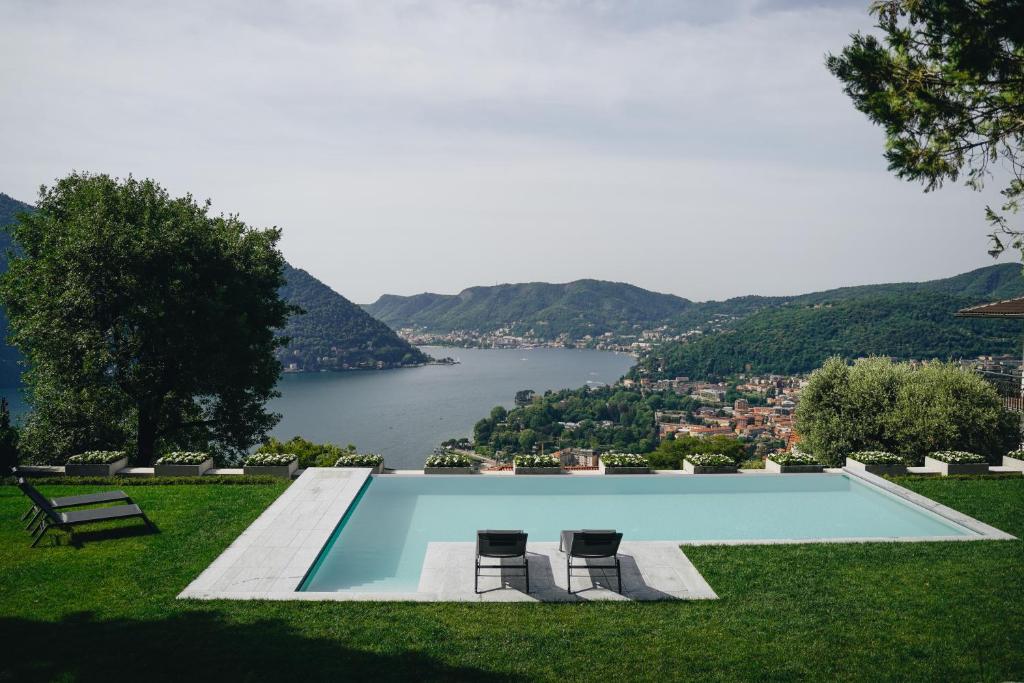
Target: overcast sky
{"x": 695, "y": 148}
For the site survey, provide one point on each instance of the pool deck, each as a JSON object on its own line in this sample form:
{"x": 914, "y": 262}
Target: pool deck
{"x": 270, "y": 559}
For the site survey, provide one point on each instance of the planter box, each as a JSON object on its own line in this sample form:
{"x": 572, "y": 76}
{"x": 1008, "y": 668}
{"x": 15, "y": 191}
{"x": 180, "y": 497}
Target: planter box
{"x": 880, "y": 470}
{"x": 448, "y": 470}
{"x": 948, "y": 468}
{"x": 536, "y": 470}
{"x": 183, "y": 470}
{"x": 607, "y": 469}
{"x": 1013, "y": 463}
{"x": 95, "y": 469}
{"x": 772, "y": 466}
{"x": 376, "y": 469}
{"x": 283, "y": 471}
{"x": 690, "y": 468}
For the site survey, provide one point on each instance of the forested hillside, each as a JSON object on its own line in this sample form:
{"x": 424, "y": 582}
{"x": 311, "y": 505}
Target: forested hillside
{"x": 10, "y": 370}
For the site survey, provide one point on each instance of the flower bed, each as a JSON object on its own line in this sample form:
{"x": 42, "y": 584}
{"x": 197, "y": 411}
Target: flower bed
{"x": 708, "y": 463}
{"x": 623, "y": 463}
{"x": 182, "y": 464}
{"x": 536, "y": 464}
{"x": 96, "y": 463}
{"x": 1014, "y": 460}
{"x": 448, "y": 463}
{"x": 957, "y": 462}
{"x": 374, "y": 461}
{"x": 876, "y": 462}
{"x": 793, "y": 461}
{"x": 272, "y": 464}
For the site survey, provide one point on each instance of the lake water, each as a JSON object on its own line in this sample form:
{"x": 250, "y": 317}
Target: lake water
{"x": 406, "y": 413}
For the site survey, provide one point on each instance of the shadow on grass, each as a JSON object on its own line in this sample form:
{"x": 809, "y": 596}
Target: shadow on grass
{"x": 201, "y": 646}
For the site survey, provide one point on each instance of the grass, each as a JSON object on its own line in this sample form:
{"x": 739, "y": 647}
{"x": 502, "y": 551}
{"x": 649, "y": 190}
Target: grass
{"x": 105, "y": 609}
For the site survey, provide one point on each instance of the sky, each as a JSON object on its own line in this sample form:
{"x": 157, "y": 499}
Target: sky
{"x": 697, "y": 148}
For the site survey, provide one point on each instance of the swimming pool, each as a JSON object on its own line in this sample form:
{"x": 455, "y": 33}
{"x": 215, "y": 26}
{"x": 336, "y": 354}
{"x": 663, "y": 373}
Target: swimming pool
{"x": 380, "y": 543}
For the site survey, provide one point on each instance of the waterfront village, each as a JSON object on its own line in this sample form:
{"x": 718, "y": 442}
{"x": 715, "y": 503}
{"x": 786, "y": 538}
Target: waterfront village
{"x": 639, "y": 341}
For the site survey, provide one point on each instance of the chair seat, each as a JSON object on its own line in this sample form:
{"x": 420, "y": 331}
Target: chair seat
{"x": 89, "y": 499}
{"x": 100, "y": 514}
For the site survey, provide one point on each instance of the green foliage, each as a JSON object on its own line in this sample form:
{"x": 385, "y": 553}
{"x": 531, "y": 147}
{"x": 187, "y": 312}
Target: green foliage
{"x": 310, "y": 454}
{"x": 624, "y": 460}
{"x": 447, "y": 459}
{"x": 946, "y": 81}
{"x": 183, "y": 458}
{"x": 876, "y": 458}
{"x": 332, "y": 333}
{"x": 147, "y": 324}
{"x": 711, "y": 460}
{"x": 878, "y": 405}
{"x": 270, "y": 459}
{"x": 360, "y": 460}
{"x": 8, "y": 439}
{"x": 546, "y": 461}
{"x": 670, "y": 453}
{"x": 957, "y": 457}
{"x": 798, "y": 337}
{"x": 795, "y": 458}
{"x": 10, "y": 358}
{"x": 96, "y": 457}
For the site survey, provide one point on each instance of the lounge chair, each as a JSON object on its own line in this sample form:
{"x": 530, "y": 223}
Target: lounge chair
{"x": 590, "y": 544}
{"x": 500, "y": 545}
{"x": 66, "y": 520}
{"x": 69, "y": 501}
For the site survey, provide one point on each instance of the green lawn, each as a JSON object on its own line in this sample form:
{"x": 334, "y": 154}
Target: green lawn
{"x": 914, "y": 611}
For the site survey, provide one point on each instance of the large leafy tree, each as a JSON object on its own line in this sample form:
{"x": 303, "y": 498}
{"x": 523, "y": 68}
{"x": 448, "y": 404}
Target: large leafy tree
{"x": 146, "y": 322}
{"x": 946, "y": 81}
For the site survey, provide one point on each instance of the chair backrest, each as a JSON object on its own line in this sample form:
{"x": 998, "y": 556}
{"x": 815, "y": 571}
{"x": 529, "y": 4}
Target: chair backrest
{"x": 501, "y": 543}
{"x": 38, "y": 499}
{"x": 595, "y": 543}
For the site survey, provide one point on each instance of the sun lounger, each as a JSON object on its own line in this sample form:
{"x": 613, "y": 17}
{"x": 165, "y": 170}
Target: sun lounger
{"x": 591, "y": 544}
{"x": 500, "y": 545}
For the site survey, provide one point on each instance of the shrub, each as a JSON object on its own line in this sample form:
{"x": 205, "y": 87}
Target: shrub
{"x": 183, "y": 458}
{"x": 753, "y": 464}
{"x": 270, "y": 459}
{"x": 449, "y": 460}
{"x": 310, "y": 454}
{"x": 624, "y": 460}
{"x": 360, "y": 460}
{"x": 794, "y": 457}
{"x": 670, "y": 453}
{"x": 96, "y": 457}
{"x": 536, "y": 461}
{"x": 1019, "y": 455}
{"x": 957, "y": 457}
{"x": 878, "y": 405}
{"x": 710, "y": 460}
{"x": 876, "y": 458}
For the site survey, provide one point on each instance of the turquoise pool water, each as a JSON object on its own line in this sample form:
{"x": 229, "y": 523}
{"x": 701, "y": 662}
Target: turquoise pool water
{"x": 380, "y": 544}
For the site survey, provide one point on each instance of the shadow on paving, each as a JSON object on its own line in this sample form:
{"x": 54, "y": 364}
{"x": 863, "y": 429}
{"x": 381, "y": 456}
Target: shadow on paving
{"x": 200, "y": 646}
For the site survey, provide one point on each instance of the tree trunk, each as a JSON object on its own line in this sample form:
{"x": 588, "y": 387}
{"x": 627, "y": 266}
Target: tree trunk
{"x": 146, "y": 438}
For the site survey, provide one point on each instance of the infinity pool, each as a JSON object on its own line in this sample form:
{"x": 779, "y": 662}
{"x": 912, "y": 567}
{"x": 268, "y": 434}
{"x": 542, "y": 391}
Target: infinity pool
{"x": 380, "y": 544}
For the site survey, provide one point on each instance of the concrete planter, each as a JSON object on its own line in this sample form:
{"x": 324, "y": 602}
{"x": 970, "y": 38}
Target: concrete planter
{"x": 283, "y": 471}
{"x": 891, "y": 470}
{"x": 948, "y": 468}
{"x": 1013, "y": 463}
{"x": 183, "y": 470}
{"x": 772, "y": 466}
{"x": 605, "y": 469}
{"x": 95, "y": 469}
{"x": 690, "y": 468}
{"x": 536, "y": 470}
{"x": 377, "y": 469}
{"x": 448, "y": 470}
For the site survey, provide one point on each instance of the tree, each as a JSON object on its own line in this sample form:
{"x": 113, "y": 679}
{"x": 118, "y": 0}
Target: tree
{"x": 8, "y": 439}
{"x": 947, "y": 84}
{"x": 146, "y": 323}
{"x": 876, "y": 404}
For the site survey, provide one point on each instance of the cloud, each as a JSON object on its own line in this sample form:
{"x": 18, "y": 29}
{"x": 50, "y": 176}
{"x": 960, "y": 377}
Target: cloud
{"x": 406, "y": 146}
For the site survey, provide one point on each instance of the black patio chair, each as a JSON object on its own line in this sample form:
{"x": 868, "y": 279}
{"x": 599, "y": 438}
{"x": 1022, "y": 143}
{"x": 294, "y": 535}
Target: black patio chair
{"x": 34, "y": 512}
{"x": 500, "y": 545}
{"x": 590, "y": 544}
{"x": 67, "y": 520}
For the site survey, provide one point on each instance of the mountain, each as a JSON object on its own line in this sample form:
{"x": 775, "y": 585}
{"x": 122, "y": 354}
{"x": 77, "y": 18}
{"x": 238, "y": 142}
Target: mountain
{"x": 332, "y": 334}
{"x": 575, "y": 309}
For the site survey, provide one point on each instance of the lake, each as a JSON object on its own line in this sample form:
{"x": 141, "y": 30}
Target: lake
{"x": 406, "y": 413}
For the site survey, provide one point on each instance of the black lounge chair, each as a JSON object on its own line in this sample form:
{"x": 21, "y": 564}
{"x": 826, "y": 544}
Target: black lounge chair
{"x": 500, "y": 545}
{"x": 66, "y": 520}
{"x": 591, "y": 544}
{"x": 69, "y": 501}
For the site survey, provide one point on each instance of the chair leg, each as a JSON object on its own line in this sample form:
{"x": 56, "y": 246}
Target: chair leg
{"x": 28, "y": 512}
{"x": 618, "y": 574}
{"x": 527, "y": 562}
{"x": 32, "y": 522}
{"x": 39, "y": 533}
{"x": 476, "y": 576}
{"x": 568, "y": 575}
